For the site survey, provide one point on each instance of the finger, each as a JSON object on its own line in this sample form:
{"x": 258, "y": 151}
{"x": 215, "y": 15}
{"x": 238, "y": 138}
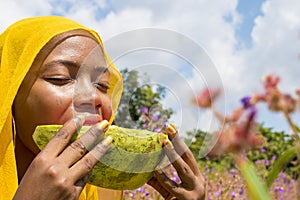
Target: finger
{"x": 83, "y": 144}
{"x": 62, "y": 138}
{"x": 158, "y": 187}
{"x": 171, "y": 131}
{"x": 186, "y": 154}
{"x": 87, "y": 163}
{"x": 82, "y": 182}
{"x": 173, "y": 189}
{"x": 183, "y": 169}
{"x": 94, "y": 134}
{"x": 182, "y": 149}
{"x": 79, "y": 185}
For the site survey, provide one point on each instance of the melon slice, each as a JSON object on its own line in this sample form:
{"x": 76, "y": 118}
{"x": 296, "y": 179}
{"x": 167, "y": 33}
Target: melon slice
{"x": 127, "y": 165}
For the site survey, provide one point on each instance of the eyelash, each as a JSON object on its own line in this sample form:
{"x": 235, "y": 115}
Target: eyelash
{"x": 63, "y": 81}
{"x": 102, "y": 87}
{"x": 59, "y": 81}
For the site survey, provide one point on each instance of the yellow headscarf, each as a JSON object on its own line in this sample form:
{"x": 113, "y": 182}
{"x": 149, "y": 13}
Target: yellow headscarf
{"x": 19, "y": 45}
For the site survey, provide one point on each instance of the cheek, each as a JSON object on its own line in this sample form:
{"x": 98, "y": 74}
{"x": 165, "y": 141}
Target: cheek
{"x": 50, "y": 104}
{"x": 42, "y": 105}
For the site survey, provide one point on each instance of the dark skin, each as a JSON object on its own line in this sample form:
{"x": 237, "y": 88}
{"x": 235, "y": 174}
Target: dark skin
{"x": 60, "y": 171}
{"x": 192, "y": 184}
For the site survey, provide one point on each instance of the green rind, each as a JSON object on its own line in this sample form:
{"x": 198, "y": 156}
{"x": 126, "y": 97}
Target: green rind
{"x": 129, "y": 162}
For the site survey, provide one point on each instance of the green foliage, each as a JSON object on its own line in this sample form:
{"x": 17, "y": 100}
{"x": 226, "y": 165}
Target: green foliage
{"x": 130, "y": 81}
{"x": 135, "y": 96}
{"x": 195, "y": 139}
{"x": 276, "y": 155}
{"x": 276, "y": 143}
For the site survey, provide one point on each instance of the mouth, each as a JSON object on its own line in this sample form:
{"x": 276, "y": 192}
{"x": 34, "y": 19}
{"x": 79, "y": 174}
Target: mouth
{"x": 91, "y": 119}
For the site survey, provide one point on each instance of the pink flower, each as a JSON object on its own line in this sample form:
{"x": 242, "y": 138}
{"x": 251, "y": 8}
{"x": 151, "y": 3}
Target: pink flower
{"x": 206, "y": 97}
{"x": 298, "y": 92}
{"x": 235, "y": 115}
{"x": 238, "y": 137}
{"x": 271, "y": 81}
{"x": 276, "y": 100}
{"x": 287, "y": 103}
{"x": 280, "y": 102}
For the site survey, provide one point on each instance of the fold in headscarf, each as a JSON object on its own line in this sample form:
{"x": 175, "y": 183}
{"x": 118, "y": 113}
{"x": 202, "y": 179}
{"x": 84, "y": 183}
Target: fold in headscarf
{"x": 19, "y": 45}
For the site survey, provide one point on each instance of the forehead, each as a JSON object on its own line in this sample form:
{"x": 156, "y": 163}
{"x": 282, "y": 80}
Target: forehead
{"x": 78, "y": 49}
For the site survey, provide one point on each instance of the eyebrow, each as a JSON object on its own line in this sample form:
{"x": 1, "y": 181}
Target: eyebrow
{"x": 70, "y": 63}
{"x": 62, "y": 62}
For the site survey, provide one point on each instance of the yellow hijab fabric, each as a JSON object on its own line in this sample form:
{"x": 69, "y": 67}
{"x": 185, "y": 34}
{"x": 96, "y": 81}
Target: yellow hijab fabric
{"x": 19, "y": 45}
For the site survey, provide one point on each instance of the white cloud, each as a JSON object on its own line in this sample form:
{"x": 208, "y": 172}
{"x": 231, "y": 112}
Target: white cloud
{"x": 125, "y": 20}
{"x": 275, "y": 46}
{"x": 275, "y": 39}
{"x": 276, "y": 42}
{"x": 14, "y": 10}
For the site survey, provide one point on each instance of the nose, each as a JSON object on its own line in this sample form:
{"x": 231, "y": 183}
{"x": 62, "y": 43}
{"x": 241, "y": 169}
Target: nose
{"x": 86, "y": 97}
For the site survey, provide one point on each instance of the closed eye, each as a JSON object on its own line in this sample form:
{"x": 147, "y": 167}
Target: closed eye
{"x": 102, "y": 87}
{"x": 59, "y": 81}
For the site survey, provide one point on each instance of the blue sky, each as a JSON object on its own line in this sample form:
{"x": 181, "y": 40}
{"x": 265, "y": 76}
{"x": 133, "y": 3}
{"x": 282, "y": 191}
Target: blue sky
{"x": 249, "y": 11}
{"x": 242, "y": 39}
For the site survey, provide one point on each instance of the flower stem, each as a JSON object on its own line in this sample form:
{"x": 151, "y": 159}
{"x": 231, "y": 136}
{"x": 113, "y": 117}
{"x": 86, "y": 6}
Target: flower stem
{"x": 297, "y": 138}
{"x": 293, "y": 127}
{"x": 218, "y": 115}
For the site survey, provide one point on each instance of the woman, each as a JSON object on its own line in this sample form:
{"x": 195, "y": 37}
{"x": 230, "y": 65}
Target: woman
{"x": 55, "y": 71}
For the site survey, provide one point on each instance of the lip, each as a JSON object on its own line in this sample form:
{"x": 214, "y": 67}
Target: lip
{"x": 91, "y": 119}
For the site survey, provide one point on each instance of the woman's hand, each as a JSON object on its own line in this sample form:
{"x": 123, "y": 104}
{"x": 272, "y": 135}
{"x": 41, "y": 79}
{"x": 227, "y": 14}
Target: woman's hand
{"x": 60, "y": 171}
{"x": 192, "y": 184}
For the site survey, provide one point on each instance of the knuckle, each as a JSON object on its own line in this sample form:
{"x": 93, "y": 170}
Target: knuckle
{"x": 62, "y": 183}
{"x": 60, "y": 180}
{"x": 62, "y": 133}
{"x": 40, "y": 160}
{"x": 88, "y": 163}
{"x": 186, "y": 170}
{"x": 78, "y": 147}
{"x": 52, "y": 171}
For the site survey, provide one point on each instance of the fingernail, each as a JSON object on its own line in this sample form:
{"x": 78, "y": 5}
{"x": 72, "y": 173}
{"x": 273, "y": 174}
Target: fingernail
{"x": 103, "y": 125}
{"x": 171, "y": 129}
{"x": 173, "y": 126}
{"x": 169, "y": 144}
{"x": 107, "y": 141}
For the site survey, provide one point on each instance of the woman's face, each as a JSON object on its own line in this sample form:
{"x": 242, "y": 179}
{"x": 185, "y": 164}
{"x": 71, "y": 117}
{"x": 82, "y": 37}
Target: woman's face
{"x": 72, "y": 80}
